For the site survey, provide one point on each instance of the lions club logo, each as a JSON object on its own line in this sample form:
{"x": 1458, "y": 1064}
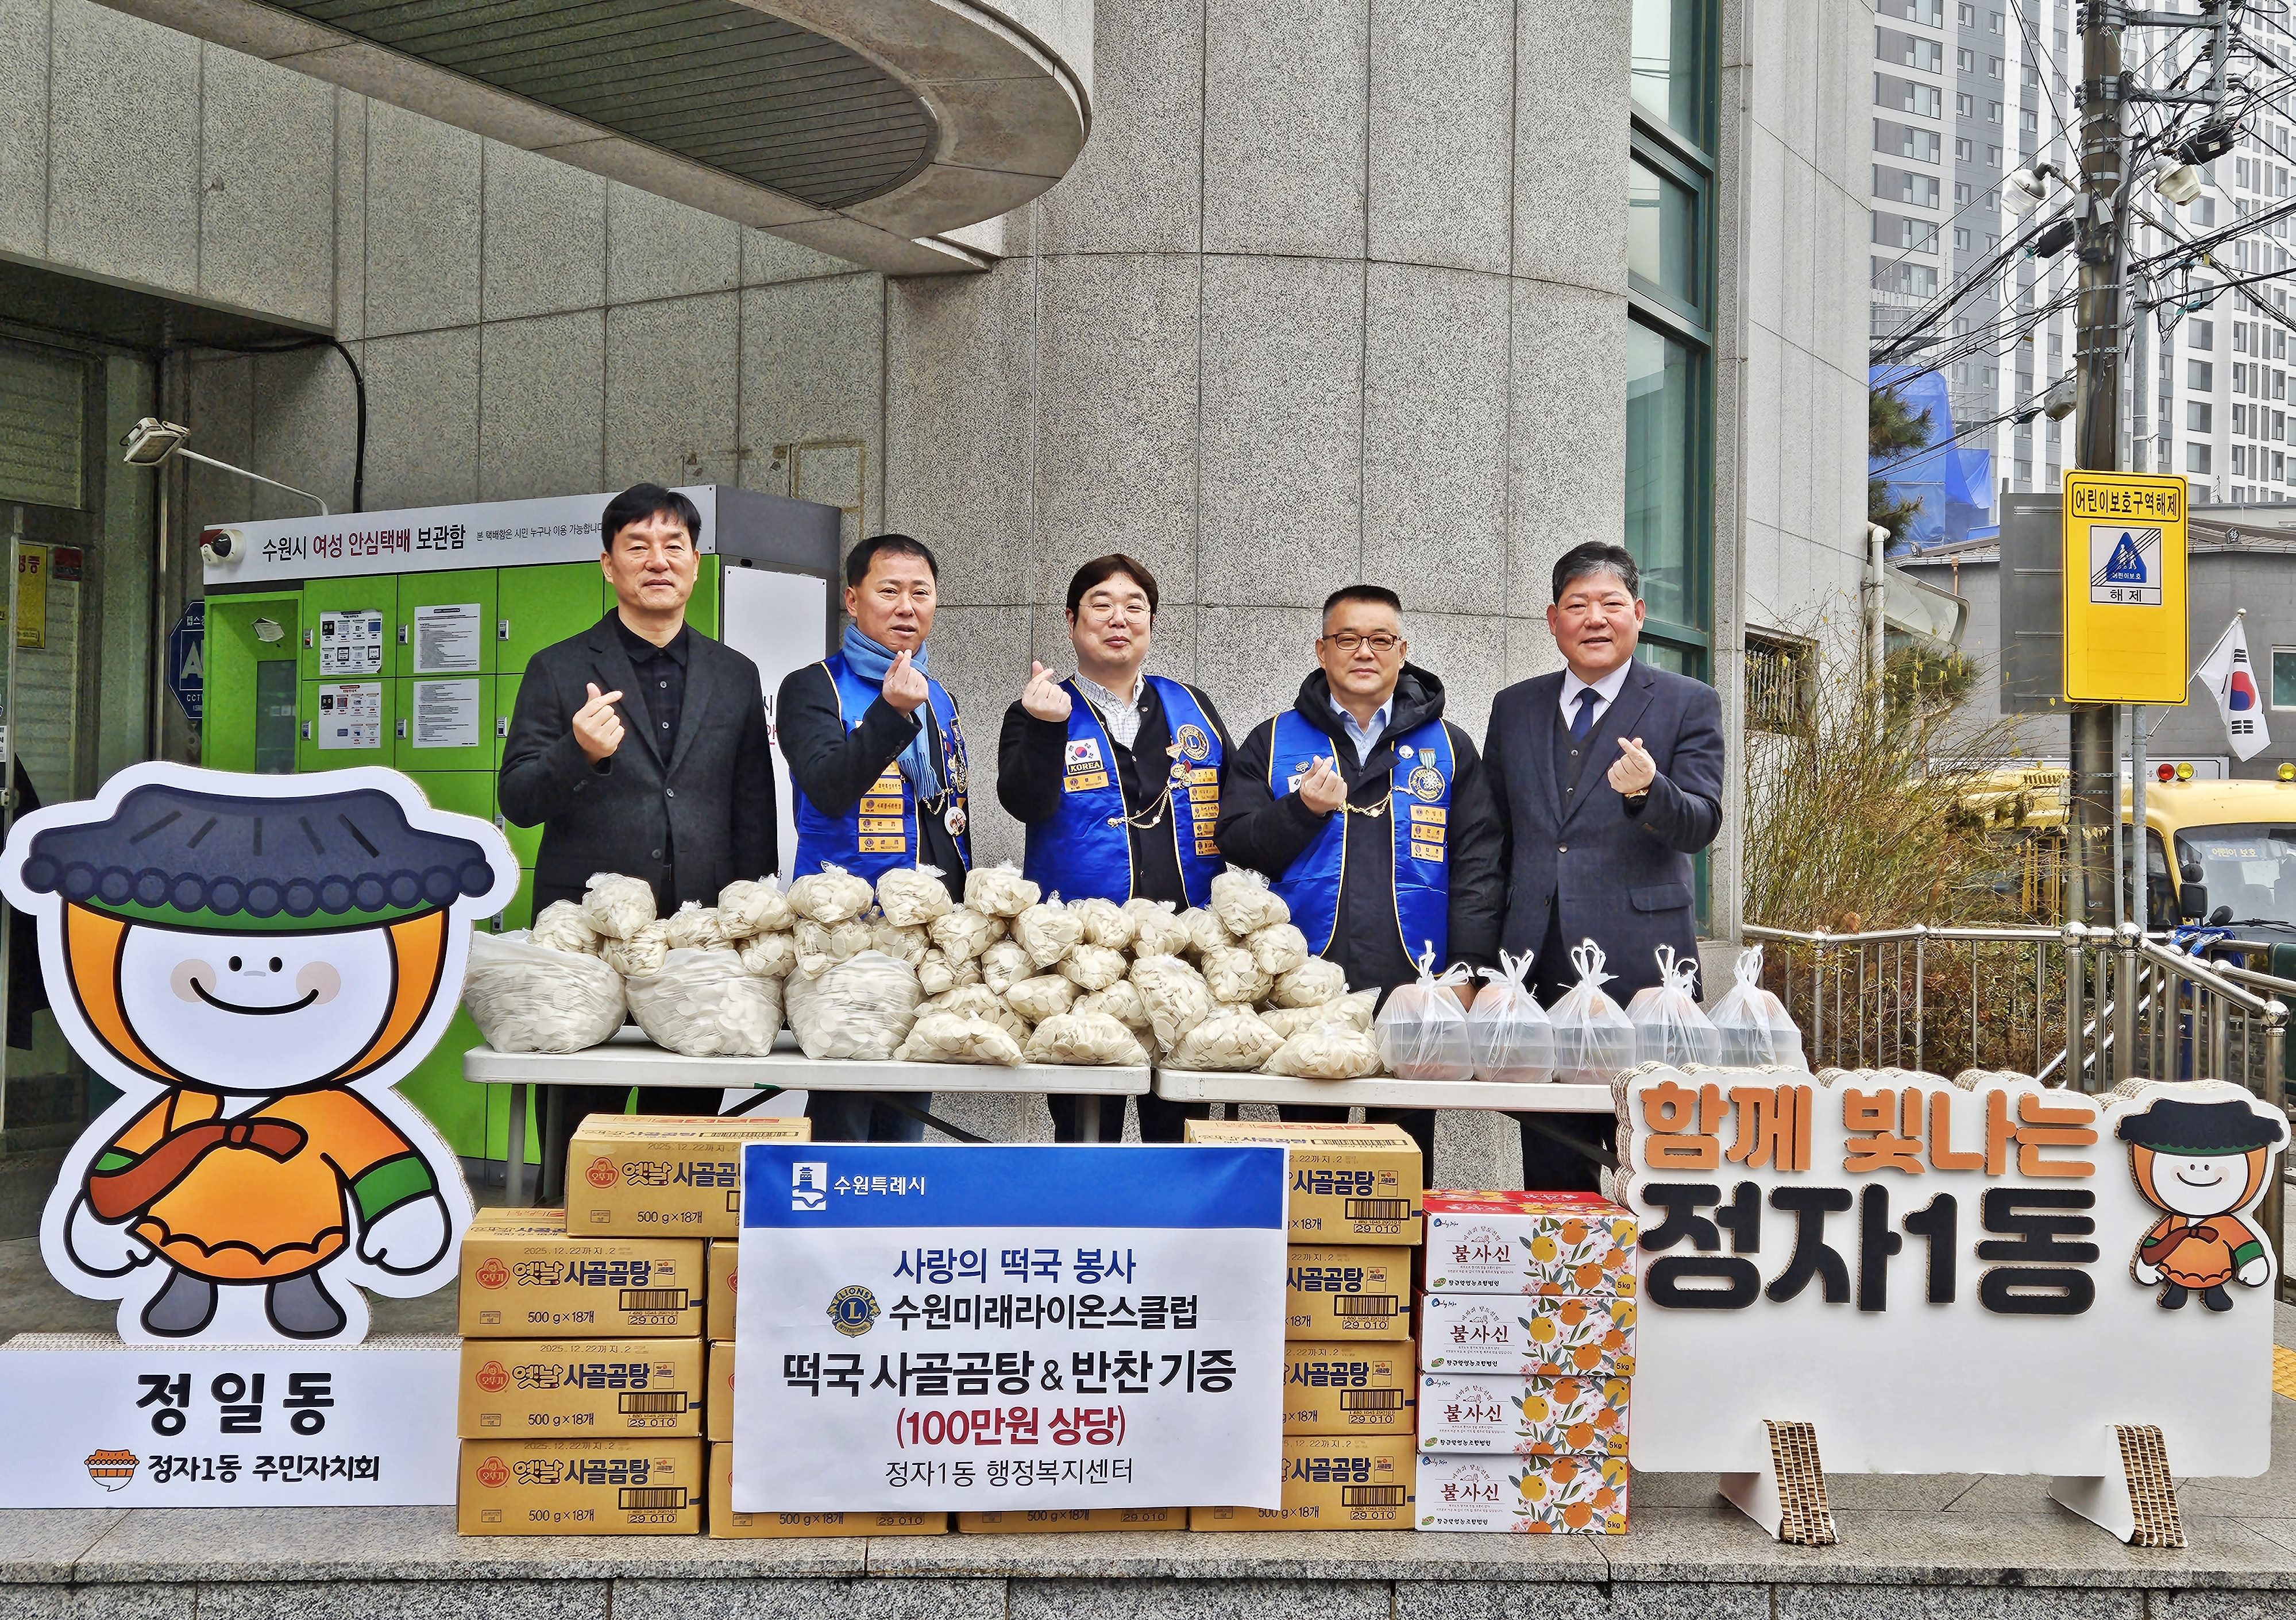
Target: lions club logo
{"x": 1424, "y": 782}
{"x": 853, "y": 1309}
{"x": 492, "y": 1378}
{"x": 1193, "y": 743}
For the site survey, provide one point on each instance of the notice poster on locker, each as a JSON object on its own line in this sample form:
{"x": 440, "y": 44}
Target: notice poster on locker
{"x": 447, "y": 638}
{"x": 350, "y": 715}
{"x": 447, "y": 713}
{"x": 351, "y": 645}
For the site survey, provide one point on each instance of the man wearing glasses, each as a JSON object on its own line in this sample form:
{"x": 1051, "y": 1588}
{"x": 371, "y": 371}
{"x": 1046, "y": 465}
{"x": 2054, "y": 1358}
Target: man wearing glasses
{"x": 1371, "y": 815}
{"x": 1116, "y": 775}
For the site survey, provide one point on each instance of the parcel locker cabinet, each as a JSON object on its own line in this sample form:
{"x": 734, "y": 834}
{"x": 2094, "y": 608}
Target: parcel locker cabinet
{"x": 447, "y": 723}
{"x": 535, "y": 607}
{"x": 341, "y": 724}
{"x": 447, "y": 625}
{"x": 251, "y": 679}
{"x": 348, "y": 628}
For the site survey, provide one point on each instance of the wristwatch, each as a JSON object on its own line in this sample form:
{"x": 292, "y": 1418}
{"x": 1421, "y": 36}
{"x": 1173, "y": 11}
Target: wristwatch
{"x": 1636, "y": 801}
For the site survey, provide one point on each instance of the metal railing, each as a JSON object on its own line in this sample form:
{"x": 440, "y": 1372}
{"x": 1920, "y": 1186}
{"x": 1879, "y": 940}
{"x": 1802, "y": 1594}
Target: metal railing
{"x": 2087, "y": 1007}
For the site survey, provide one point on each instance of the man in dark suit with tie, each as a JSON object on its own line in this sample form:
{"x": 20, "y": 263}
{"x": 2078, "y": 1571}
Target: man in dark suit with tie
{"x": 687, "y": 803}
{"x": 1608, "y": 776}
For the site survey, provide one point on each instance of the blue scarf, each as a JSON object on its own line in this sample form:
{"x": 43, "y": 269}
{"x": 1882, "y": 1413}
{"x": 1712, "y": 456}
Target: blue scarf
{"x": 872, "y": 663}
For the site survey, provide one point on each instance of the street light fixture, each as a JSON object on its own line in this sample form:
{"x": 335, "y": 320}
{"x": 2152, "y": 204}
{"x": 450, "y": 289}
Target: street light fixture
{"x": 151, "y": 442}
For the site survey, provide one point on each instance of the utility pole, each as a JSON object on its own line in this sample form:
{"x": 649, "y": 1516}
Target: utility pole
{"x": 2095, "y": 801}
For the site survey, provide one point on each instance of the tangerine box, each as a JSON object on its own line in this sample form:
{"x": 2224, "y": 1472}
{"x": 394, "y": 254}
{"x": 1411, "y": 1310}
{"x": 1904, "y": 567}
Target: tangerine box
{"x": 1049, "y": 1521}
{"x": 1349, "y": 1389}
{"x": 1527, "y": 1496}
{"x": 718, "y": 1413}
{"x": 725, "y": 1524}
{"x": 579, "y": 1388}
{"x": 643, "y": 1175}
{"x": 1529, "y": 1243}
{"x": 1331, "y": 1482}
{"x": 1527, "y": 1336}
{"x": 528, "y": 1278}
{"x": 628, "y": 1487}
{"x": 1522, "y": 1416}
{"x": 1346, "y": 1293}
{"x": 1350, "y": 1184}
{"x": 722, "y": 1253}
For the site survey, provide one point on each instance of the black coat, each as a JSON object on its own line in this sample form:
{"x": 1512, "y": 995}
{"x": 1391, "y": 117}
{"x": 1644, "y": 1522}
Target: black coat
{"x": 1624, "y": 881}
{"x": 689, "y": 825}
{"x": 1267, "y": 833}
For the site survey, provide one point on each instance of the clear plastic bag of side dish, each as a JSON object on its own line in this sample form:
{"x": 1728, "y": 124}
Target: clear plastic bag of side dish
{"x": 1756, "y": 1029}
{"x": 1507, "y": 1030}
{"x": 1593, "y": 1039}
{"x": 1670, "y": 1027}
{"x": 1422, "y": 1029}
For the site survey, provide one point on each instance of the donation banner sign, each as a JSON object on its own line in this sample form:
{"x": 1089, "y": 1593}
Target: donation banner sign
{"x": 998, "y": 1328}
{"x": 1947, "y": 1277}
{"x": 95, "y": 1423}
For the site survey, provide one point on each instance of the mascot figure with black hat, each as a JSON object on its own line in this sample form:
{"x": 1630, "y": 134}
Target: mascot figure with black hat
{"x": 253, "y": 961}
{"x": 2201, "y": 1153}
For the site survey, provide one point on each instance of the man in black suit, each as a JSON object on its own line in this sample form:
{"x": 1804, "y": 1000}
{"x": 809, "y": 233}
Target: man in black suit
{"x": 688, "y": 803}
{"x": 1608, "y": 776}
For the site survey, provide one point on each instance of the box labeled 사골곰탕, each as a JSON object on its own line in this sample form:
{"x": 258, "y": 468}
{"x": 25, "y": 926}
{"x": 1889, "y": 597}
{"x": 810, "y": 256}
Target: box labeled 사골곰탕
{"x": 1527, "y": 1336}
{"x": 1527, "y": 1496}
{"x": 718, "y": 1417}
{"x": 531, "y": 1278}
{"x": 1350, "y": 1184}
{"x": 1331, "y": 1482}
{"x": 1549, "y": 1417}
{"x": 725, "y": 1524}
{"x": 574, "y": 1388}
{"x": 1341, "y": 1388}
{"x": 1566, "y": 1243}
{"x": 647, "y": 1175}
{"x": 625, "y": 1486}
{"x": 1352, "y": 1293}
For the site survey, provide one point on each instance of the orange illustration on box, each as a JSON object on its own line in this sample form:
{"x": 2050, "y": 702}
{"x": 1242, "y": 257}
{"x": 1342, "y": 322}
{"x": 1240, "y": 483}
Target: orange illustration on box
{"x": 253, "y": 961}
{"x": 1529, "y": 1243}
{"x": 2201, "y": 1163}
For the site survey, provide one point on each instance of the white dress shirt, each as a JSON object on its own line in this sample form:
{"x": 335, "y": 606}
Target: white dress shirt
{"x": 1606, "y": 692}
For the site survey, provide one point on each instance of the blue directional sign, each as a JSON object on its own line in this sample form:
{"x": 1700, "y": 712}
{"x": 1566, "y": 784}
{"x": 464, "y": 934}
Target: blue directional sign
{"x": 187, "y": 645}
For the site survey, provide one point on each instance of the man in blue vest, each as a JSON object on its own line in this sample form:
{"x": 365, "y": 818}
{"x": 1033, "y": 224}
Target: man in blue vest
{"x": 1116, "y": 775}
{"x": 1370, "y": 814}
{"x": 878, "y": 761}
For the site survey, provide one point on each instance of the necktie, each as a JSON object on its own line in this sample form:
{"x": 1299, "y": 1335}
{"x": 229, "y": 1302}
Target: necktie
{"x": 1583, "y": 721}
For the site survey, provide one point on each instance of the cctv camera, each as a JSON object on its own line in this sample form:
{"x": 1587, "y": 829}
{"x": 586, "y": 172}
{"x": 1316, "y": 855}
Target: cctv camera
{"x": 219, "y": 546}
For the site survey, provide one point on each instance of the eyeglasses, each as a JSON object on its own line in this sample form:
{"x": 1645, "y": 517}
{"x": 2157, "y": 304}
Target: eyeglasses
{"x": 1379, "y": 641}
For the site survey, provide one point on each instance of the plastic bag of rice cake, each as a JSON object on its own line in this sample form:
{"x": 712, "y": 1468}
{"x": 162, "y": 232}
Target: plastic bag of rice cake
{"x": 964, "y": 933}
{"x": 1091, "y": 967}
{"x": 1157, "y": 929}
{"x": 561, "y": 927}
{"x": 617, "y": 906}
{"x": 526, "y": 997}
{"x": 1085, "y": 1038}
{"x": 1106, "y": 924}
{"x": 1233, "y": 1038}
{"x": 704, "y": 1004}
{"x": 1244, "y": 904}
{"x": 754, "y": 905}
{"x": 772, "y": 955}
{"x": 980, "y": 1001}
{"x": 1003, "y": 965}
{"x": 938, "y": 975}
{"x": 1206, "y": 932}
{"x": 696, "y": 927}
{"x": 1311, "y": 984}
{"x": 818, "y": 945}
{"x": 1175, "y": 994}
{"x": 639, "y": 954}
{"x": 1120, "y": 1000}
{"x": 830, "y": 895}
{"x": 909, "y": 945}
{"x": 858, "y": 1008}
{"x": 1039, "y": 998}
{"x": 1328, "y": 1051}
{"x": 999, "y": 891}
{"x": 1048, "y": 931}
{"x": 1231, "y": 975}
{"x": 1354, "y": 1010}
{"x": 1278, "y": 949}
{"x": 912, "y": 896}
{"x": 940, "y": 1036}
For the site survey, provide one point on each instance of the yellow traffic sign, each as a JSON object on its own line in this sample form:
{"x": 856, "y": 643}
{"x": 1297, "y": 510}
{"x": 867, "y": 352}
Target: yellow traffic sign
{"x": 2126, "y": 625}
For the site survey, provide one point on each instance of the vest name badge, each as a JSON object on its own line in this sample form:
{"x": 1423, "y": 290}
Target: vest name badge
{"x": 1084, "y": 768}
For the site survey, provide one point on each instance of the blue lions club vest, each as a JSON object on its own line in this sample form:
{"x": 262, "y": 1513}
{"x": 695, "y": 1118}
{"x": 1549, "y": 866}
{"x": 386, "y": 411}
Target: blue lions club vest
{"x": 879, "y": 832}
{"x": 1084, "y": 850}
{"x": 1419, "y": 809}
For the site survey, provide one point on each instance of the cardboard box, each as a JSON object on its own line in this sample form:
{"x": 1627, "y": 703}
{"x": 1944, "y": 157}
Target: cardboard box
{"x": 1346, "y": 1293}
{"x": 647, "y": 1175}
{"x": 1331, "y": 1482}
{"x": 1351, "y": 1389}
{"x": 1351, "y": 1184}
{"x": 717, "y": 1416}
{"x": 1483, "y": 1412}
{"x": 1052, "y": 1521}
{"x": 725, "y": 1524}
{"x": 722, "y": 1253}
{"x": 575, "y": 1387}
{"x": 630, "y": 1486}
{"x": 1527, "y": 1336}
{"x": 1529, "y": 1495}
{"x": 528, "y": 1279}
{"x": 1577, "y": 1243}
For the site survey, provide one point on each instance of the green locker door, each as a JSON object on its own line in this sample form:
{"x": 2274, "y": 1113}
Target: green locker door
{"x": 463, "y": 792}
{"x": 445, "y": 624}
{"x": 347, "y": 723}
{"x": 448, "y": 725}
{"x": 537, "y": 606}
{"x": 701, "y": 610}
{"x": 348, "y": 628}
{"x": 251, "y": 686}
